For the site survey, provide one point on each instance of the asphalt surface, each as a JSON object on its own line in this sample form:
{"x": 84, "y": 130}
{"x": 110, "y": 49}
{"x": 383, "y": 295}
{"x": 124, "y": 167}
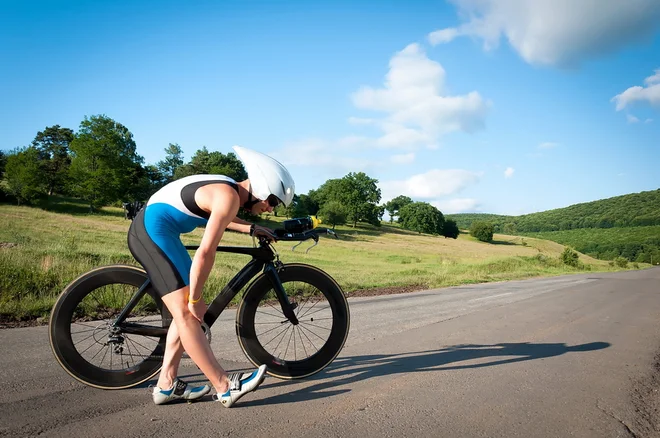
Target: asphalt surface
{"x": 566, "y": 356}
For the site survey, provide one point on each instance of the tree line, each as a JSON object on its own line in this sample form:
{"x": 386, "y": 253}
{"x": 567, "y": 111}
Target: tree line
{"x": 631, "y": 210}
{"x": 631, "y": 215}
{"x": 100, "y": 165}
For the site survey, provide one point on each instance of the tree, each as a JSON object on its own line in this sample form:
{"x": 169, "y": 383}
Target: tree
{"x": 3, "y": 163}
{"x": 373, "y": 214}
{"x": 363, "y": 196}
{"x": 509, "y": 228}
{"x": 307, "y": 205}
{"x": 331, "y": 190}
{"x": 333, "y": 213}
{"x": 146, "y": 181}
{"x": 205, "y": 162}
{"x": 295, "y": 209}
{"x": 450, "y": 229}
{"x": 482, "y": 231}
{"x": 25, "y": 179}
{"x": 173, "y": 160}
{"x": 359, "y": 195}
{"x": 421, "y": 217}
{"x": 311, "y": 202}
{"x": 103, "y": 161}
{"x": 298, "y": 208}
{"x": 53, "y": 146}
{"x": 394, "y": 205}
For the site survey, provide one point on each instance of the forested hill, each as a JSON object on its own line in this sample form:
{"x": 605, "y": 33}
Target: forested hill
{"x": 632, "y": 210}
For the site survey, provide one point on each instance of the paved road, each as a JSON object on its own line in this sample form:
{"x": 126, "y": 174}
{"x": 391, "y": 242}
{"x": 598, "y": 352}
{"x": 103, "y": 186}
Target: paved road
{"x": 565, "y": 356}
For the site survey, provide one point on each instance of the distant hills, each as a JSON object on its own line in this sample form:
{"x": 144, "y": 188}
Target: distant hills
{"x": 637, "y": 210}
{"x": 632, "y": 210}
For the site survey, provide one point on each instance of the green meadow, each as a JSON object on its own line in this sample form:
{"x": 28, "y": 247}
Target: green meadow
{"x": 42, "y": 250}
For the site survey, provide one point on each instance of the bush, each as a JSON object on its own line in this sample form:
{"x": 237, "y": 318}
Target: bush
{"x": 621, "y": 262}
{"x": 570, "y": 257}
{"x": 482, "y": 231}
{"x": 546, "y": 261}
{"x": 450, "y": 229}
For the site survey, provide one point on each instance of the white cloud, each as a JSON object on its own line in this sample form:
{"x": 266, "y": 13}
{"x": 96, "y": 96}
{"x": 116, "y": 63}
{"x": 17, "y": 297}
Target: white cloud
{"x": 399, "y": 136}
{"x": 443, "y": 36}
{"x": 631, "y": 118}
{"x": 432, "y": 184}
{"x": 648, "y": 120}
{"x": 353, "y": 141}
{"x": 458, "y": 205}
{"x": 555, "y": 32}
{"x": 403, "y": 158}
{"x": 508, "y": 173}
{"x": 322, "y": 155}
{"x": 651, "y": 92}
{"x": 416, "y": 103}
{"x": 360, "y": 121}
{"x": 548, "y": 145}
{"x": 653, "y": 79}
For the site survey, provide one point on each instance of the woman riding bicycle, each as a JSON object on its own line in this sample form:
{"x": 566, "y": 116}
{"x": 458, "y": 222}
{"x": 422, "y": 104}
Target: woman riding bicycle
{"x": 154, "y": 240}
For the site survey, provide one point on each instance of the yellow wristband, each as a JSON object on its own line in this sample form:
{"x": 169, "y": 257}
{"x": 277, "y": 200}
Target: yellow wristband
{"x": 190, "y": 300}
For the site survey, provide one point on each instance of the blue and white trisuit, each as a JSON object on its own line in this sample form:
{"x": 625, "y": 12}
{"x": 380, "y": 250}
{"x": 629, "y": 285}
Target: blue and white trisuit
{"x": 154, "y": 237}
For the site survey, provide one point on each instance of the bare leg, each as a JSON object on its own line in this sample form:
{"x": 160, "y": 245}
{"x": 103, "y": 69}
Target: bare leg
{"x": 191, "y": 338}
{"x": 172, "y": 358}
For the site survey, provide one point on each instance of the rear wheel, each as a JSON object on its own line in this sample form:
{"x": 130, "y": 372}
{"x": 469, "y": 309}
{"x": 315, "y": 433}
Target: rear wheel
{"x": 88, "y": 345}
{"x": 294, "y": 351}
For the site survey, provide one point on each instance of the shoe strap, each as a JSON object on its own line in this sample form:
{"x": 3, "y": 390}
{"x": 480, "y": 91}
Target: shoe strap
{"x": 180, "y": 387}
{"x": 235, "y": 381}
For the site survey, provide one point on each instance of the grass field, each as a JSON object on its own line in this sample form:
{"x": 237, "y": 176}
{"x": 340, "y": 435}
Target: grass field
{"x": 42, "y": 251}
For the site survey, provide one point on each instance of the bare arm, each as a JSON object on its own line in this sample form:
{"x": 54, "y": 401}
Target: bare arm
{"x": 245, "y": 227}
{"x": 238, "y": 224}
{"x": 223, "y": 212}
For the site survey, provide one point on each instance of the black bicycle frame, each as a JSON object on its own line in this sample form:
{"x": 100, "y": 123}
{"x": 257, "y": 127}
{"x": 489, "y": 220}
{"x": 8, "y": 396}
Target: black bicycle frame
{"x": 262, "y": 260}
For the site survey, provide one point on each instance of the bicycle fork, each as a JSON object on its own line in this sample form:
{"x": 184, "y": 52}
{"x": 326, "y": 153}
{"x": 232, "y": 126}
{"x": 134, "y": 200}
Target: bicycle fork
{"x": 287, "y": 307}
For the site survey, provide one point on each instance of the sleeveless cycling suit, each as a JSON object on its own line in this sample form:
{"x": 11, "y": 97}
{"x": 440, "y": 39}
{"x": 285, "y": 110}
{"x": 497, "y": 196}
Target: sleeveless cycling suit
{"x": 154, "y": 236}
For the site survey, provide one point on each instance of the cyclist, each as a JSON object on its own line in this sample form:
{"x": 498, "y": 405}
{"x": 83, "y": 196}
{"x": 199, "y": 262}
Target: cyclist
{"x": 154, "y": 240}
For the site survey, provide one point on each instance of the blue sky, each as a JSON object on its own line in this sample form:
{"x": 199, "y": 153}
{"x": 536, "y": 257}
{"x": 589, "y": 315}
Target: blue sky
{"x": 473, "y": 106}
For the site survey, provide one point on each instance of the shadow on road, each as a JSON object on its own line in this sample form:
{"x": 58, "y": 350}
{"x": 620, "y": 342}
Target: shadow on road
{"x": 346, "y": 370}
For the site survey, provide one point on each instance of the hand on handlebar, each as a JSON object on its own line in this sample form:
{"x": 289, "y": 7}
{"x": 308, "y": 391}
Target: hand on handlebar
{"x": 263, "y": 232}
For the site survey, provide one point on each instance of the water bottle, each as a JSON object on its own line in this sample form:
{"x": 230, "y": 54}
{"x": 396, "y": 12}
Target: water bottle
{"x": 300, "y": 224}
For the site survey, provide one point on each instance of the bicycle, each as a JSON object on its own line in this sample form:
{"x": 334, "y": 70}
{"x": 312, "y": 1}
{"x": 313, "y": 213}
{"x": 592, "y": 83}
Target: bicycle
{"x": 80, "y": 306}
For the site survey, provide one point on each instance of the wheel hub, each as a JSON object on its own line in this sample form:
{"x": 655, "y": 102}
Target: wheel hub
{"x": 117, "y": 343}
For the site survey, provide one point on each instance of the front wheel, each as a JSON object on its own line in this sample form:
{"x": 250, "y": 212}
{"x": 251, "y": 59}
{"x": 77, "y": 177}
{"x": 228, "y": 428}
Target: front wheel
{"x": 293, "y": 351}
{"x": 89, "y": 344}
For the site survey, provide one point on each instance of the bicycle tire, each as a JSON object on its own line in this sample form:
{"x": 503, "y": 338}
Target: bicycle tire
{"x": 61, "y": 320}
{"x": 297, "y": 369}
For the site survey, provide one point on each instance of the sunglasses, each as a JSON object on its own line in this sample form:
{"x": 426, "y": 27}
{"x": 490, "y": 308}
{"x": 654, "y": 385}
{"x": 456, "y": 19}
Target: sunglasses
{"x": 273, "y": 201}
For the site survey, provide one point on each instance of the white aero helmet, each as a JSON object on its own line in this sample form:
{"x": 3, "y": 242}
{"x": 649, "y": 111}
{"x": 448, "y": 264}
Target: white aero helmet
{"x": 267, "y": 175}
